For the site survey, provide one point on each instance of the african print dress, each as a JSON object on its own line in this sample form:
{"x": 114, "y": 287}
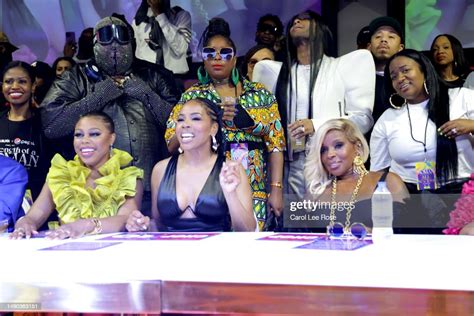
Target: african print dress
{"x": 258, "y": 129}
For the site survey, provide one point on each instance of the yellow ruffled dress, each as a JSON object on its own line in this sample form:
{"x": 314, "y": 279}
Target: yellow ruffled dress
{"x": 73, "y": 200}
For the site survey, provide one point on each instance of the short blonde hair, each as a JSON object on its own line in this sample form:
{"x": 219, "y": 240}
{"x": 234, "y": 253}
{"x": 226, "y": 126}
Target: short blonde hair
{"x": 317, "y": 177}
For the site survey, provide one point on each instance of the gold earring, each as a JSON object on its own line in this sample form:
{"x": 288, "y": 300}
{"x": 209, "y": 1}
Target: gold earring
{"x": 358, "y": 166}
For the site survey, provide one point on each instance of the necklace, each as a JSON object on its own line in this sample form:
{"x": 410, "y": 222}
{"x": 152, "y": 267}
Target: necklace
{"x": 351, "y": 202}
{"x": 220, "y": 82}
{"x": 411, "y": 129}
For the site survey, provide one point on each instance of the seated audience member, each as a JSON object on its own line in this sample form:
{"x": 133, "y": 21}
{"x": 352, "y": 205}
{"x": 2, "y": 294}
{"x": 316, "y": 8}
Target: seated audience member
{"x": 252, "y": 125}
{"x": 13, "y": 180}
{"x": 163, "y": 34}
{"x": 62, "y": 64}
{"x": 448, "y": 58}
{"x": 93, "y": 193}
{"x": 253, "y": 56}
{"x": 426, "y": 139}
{"x": 217, "y": 199}
{"x": 462, "y": 217}
{"x": 21, "y": 136}
{"x": 335, "y": 173}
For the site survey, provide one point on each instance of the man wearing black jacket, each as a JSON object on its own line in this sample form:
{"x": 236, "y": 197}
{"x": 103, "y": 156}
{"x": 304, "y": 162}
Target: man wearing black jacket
{"x": 137, "y": 95}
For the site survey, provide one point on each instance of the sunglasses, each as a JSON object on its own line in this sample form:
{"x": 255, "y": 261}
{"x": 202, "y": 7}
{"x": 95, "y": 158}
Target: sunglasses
{"x": 339, "y": 231}
{"x": 267, "y": 28}
{"x": 107, "y": 34}
{"x": 303, "y": 16}
{"x": 209, "y": 53}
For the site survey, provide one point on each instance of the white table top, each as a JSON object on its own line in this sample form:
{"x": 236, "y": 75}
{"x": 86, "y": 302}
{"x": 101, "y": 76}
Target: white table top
{"x": 404, "y": 261}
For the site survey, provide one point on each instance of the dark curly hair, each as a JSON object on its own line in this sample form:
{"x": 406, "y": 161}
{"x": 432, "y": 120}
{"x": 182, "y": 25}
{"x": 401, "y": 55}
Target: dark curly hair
{"x": 217, "y": 27}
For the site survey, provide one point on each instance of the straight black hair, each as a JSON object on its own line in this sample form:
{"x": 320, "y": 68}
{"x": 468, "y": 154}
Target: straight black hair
{"x": 461, "y": 65}
{"x": 438, "y": 112}
{"x": 321, "y": 41}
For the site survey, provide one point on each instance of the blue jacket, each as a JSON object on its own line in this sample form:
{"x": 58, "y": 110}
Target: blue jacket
{"x": 13, "y": 180}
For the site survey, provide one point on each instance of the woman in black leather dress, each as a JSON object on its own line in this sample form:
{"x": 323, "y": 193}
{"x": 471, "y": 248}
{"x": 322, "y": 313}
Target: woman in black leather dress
{"x": 198, "y": 190}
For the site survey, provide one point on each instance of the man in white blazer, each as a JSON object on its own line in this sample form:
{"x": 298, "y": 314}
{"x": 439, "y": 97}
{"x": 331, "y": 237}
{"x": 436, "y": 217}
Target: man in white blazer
{"x": 314, "y": 88}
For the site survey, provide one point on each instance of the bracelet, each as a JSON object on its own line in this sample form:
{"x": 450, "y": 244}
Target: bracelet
{"x": 97, "y": 226}
{"x": 277, "y": 184}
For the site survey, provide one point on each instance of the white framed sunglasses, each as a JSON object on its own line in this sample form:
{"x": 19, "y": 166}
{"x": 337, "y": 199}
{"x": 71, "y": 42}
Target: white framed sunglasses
{"x": 210, "y": 53}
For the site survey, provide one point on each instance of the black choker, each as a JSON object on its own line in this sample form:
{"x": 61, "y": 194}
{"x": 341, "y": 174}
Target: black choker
{"x": 220, "y": 82}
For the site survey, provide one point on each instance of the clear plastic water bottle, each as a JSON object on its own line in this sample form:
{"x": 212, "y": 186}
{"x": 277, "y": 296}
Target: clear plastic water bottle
{"x": 382, "y": 212}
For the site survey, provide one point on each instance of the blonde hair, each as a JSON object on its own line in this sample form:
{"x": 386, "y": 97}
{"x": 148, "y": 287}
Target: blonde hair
{"x": 315, "y": 174}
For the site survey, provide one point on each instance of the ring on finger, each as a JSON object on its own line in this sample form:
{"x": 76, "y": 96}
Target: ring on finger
{"x": 454, "y": 130}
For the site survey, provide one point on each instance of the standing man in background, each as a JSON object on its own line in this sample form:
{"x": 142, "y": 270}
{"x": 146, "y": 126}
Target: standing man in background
{"x": 386, "y": 39}
{"x": 163, "y": 34}
{"x": 136, "y": 96}
{"x": 314, "y": 87}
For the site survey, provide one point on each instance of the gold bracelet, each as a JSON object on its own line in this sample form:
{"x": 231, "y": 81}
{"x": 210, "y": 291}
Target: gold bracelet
{"x": 277, "y": 184}
{"x": 97, "y": 226}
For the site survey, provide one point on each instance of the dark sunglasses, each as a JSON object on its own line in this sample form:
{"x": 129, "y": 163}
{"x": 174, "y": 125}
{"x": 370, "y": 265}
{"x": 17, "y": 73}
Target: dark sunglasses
{"x": 106, "y": 35}
{"x": 303, "y": 16}
{"x": 267, "y": 28}
{"x": 209, "y": 53}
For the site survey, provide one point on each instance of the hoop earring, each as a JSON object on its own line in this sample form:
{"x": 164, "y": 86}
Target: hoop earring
{"x": 235, "y": 76}
{"x": 358, "y": 166}
{"x": 215, "y": 145}
{"x": 203, "y": 79}
{"x": 392, "y": 104}
{"x": 111, "y": 150}
{"x": 426, "y": 88}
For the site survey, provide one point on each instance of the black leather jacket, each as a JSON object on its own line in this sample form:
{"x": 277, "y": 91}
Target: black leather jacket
{"x": 139, "y": 109}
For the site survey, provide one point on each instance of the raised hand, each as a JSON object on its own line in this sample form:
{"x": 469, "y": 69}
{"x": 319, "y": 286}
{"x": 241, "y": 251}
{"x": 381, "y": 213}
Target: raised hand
{"x": 229, "y": 178}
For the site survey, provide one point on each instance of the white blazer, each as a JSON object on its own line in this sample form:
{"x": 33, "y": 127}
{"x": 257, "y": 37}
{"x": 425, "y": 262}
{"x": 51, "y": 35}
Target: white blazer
{"x": 345, "y": 87}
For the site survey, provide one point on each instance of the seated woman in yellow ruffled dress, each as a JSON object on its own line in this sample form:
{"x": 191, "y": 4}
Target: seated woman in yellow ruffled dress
{"x": 94, "y": 193}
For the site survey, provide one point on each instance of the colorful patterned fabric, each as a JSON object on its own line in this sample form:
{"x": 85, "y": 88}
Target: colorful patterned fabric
{"x": 267, "y": 130}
